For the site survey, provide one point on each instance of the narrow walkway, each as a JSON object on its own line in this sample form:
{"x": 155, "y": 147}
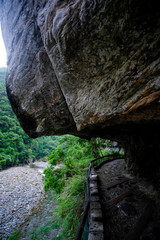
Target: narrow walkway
{"x": 130, "y": 208}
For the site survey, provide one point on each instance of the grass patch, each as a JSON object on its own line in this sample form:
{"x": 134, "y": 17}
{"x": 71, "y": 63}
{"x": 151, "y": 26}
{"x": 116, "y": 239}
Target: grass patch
{"x": 15, "y": 234}
{"x": 42, "y": 232}
{"x": 68, "y": 181}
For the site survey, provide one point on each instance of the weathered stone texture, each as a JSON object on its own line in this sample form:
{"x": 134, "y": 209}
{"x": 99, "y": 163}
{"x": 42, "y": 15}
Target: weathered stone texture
{"x": 32, "y": 85}
{"x": 104, "y": 55}
{"x": 85, "y": 67}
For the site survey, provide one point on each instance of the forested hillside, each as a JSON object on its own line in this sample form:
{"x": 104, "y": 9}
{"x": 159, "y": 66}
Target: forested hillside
{"x": 15, "y": 145}
{"x": 71, "y": 155}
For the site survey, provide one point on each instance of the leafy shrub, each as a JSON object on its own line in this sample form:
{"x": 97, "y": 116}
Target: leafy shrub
{"x": 71, "y": 206}
{"x": 54, "y": 179}
{"x": 15, "y": 234}
{"x": 68, "y": 180}
{"x": 56, "y": 156}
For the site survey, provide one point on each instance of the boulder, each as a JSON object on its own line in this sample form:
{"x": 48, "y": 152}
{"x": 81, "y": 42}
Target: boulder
{"x": 86, "y": 67}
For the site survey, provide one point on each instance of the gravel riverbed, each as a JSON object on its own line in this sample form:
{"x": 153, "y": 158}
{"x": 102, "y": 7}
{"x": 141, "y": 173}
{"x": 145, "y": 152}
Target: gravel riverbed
{"x": 21, "y": 192}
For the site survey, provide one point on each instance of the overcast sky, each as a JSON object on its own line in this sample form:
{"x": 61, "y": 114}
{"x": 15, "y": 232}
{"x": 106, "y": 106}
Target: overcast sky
{"x": 3, "y": 58}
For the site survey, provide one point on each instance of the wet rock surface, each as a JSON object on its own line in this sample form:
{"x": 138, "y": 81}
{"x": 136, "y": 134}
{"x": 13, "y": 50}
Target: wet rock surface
{"x": 21, "y": 197}
{"x": 130, "y": 207}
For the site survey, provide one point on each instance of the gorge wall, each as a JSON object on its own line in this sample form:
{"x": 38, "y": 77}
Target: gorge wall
{"x": 89, "y": 68}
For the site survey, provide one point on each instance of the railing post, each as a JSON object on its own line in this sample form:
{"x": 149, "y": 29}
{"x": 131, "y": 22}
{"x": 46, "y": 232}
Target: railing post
{"x": 87, "y": 207}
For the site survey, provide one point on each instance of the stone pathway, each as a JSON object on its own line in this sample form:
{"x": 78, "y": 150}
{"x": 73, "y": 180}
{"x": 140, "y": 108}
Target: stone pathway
{"x": 130, "y": 207}
{"x": 21, "y": 194}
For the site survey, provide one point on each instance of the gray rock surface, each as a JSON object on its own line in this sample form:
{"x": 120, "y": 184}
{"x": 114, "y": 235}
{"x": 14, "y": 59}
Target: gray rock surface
{"x": 79, "y": 65}
{"x": 88, "y": 68}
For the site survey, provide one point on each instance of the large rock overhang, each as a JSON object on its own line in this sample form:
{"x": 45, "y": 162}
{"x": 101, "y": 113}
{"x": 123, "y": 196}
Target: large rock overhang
{"x": 78, "y": 66}
{"x": 85, "y": 67}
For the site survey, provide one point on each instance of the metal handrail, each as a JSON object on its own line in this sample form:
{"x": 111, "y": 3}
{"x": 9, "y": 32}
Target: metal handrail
{"x": 85, "y": 214}
{"x": 86, "y": 210}
{"x": 104, "y": 157}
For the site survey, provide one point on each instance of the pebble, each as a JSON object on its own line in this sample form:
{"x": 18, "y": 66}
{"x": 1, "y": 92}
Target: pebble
{"x": 21, "y": 190}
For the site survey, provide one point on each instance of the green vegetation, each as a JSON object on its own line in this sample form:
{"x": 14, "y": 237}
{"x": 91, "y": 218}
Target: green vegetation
{"x": 43, "y": 231}
{"x": 15, "y": 234}
{"x": 74, "y": 155}
{"x": 15, "y": 146}
{"x": 70, "y": 154}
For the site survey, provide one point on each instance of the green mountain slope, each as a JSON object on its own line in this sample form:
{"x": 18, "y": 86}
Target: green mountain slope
{"x": 15, "y": 146}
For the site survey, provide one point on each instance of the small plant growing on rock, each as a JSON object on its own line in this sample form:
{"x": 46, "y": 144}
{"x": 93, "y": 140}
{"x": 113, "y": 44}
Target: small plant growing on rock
{"x": 15, "y": 234}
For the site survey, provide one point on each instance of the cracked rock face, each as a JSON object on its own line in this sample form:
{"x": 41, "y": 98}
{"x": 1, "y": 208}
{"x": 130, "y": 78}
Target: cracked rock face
{"x": 85, "y": 67}
{"x": 78, "y": 65}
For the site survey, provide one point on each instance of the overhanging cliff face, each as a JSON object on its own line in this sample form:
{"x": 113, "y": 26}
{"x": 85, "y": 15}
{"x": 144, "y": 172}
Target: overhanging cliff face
{"x": 85, "y": 67}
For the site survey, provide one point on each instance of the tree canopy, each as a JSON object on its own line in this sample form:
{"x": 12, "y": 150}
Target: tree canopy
{"x": 16, "y": 147}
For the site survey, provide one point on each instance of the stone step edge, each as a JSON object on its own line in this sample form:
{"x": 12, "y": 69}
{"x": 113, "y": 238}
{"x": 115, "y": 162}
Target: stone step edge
{"x": 96, "y": 230}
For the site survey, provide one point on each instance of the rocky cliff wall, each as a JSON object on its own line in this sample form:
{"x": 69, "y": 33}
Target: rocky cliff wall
{"x": 86, "y": 67}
